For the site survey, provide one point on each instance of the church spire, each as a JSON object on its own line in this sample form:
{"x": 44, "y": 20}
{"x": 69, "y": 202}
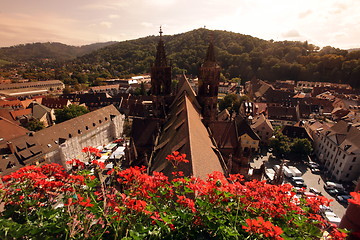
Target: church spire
{"x": 209, "y": 77}
{"x": 160, "y": 60}
{"x": 210, "y": 55}
{"x": 160, "y": 79}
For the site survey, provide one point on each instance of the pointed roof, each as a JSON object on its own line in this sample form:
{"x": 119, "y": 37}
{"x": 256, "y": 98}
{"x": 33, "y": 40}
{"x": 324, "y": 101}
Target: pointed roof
{"x": 210, "y": 57}
{"x": 160, "y": 60}
{"x": 184, "y": 132}
{"x": 184, "y": 86}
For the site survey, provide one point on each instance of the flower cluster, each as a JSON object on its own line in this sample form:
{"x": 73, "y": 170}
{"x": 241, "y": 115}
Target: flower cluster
{"x": 263, "y": 228}
{"x": 176, "y": 158}
{"x": 48, "y": 202}
{"x": 356, "y": 198}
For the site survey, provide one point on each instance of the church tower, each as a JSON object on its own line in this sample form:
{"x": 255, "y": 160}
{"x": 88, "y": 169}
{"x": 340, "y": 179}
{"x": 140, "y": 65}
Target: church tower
{"x": 160, "y": 80}
{"x": 209, "y": 77}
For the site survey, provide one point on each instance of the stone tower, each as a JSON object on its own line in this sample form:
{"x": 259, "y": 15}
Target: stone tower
{"x": 209, "y": 77}
{"x": 160, "y": 80}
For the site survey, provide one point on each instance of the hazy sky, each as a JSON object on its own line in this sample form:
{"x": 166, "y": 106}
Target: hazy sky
{"x": 78, "y": 22}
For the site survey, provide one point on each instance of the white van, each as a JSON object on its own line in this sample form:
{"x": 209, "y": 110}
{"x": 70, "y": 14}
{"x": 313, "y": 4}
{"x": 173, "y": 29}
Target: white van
{"x": 296, "y": 171}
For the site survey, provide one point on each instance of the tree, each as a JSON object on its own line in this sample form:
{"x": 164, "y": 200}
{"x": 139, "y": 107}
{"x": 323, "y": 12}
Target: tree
{"x": 301, "y": 147}
{"x": 72, "y": 111}
{"x": 35, "y": 125}
{"x": 280, "y": 144}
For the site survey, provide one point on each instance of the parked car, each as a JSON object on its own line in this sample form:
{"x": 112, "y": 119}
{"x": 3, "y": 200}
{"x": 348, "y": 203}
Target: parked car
{"x": 343, "y": 198}
{"x": 314, "y": 190}
{"x": 309, "y": 194}
{"x": 332, "y": 192}
{"x": 300, "y": 179}
{"x": 313, "y": 165}
{"x": 332, "y": 218}
{"x": 315, "y": 170}
{"x": 332, "y": 185}
{"x": 299, "y": 184}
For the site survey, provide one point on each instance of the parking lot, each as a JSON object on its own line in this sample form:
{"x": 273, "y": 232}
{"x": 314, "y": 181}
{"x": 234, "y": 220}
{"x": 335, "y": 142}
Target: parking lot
{"x": 311, "y": 180}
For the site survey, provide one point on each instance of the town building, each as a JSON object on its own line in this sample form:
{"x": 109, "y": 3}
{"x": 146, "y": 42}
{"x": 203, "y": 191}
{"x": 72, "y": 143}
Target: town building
{"x": 61, "y": 142}
{"x": 338, "y": 148}
{"x": 263, "y": 128}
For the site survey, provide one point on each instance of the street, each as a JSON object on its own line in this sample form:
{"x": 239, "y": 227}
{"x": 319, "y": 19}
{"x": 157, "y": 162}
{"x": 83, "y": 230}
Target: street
{"x": 310, "y": 179}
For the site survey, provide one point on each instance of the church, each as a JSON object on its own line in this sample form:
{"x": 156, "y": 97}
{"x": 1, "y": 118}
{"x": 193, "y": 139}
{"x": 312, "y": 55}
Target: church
{"x": 189, "y": 123}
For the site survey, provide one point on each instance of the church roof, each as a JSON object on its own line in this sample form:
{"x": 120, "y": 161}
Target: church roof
{"x": 184, "y": 132}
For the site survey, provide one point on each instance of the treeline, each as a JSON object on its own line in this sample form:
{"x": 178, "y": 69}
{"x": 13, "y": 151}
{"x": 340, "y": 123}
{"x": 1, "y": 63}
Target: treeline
{"x": 50, "y": 51}
{"x": 240, "y": 56}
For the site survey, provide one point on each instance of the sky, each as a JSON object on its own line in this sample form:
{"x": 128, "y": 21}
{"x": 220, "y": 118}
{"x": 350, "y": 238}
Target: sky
{"x": 79, "y": 22}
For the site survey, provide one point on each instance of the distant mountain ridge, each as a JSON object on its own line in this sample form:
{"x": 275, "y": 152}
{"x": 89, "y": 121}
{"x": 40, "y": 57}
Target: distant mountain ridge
{"x": 240, "y": 57}
{"x": 50, "y": 50}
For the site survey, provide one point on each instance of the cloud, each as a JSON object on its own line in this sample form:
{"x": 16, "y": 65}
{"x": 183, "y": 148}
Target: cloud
{"x": 291, "y": 34}
{"x": 114, "y": 16}
{"x": 305, "y": 14}
{"x": 147, "y": 24}
{"x": 106, "y": 24}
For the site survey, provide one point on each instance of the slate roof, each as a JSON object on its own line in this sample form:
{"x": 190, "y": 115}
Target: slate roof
{"x": 184, "y": 132}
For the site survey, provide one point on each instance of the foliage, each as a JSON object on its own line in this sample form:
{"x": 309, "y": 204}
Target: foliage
{"x": 301, "y": 146}
{"x": 232, "y": 102}
{"x": 72, "y": 111}
{"x": 50, "y": 51}
{"x": 46, "y": 202}
{"x": 280, "y": 144}
{"x": 240, "y": 56}
{"x": 283, "y": 145}
{"x": 35, "y": 125}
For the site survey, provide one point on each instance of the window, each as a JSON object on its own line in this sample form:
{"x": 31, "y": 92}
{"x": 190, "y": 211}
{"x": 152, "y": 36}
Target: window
{"x": 350, "y": 168}
{"x": 70, "y": 136}
{"x": 337, "y": 172}
{"x": 340, "y": 164}
{"x": 87, "y": 128}
{"x": 344, "y": 156}
{"x": 79, "y": 131}
{"x": 354, "y": 159}
{"x": 94, "y": 124}
{"x": 347, "y": 175}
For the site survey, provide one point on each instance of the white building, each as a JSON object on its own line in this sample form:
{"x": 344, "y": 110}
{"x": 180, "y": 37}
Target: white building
{"x": 338, "y": 148}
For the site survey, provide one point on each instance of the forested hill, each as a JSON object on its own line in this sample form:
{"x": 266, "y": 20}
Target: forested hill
{"x": 34, "y": 52}
{"x": 239, "y": 56}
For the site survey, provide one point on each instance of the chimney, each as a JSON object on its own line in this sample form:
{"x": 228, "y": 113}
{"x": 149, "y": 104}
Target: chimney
{"x": 11, "y": 146}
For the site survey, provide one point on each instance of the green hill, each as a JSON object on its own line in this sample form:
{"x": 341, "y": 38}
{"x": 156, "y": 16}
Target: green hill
{"x": 50, "y": 51}
{"x": 239, "y": 55}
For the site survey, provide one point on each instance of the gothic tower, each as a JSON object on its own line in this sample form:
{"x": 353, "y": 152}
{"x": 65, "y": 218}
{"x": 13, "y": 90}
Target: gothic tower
{"x": 160, "y": 79}
{"x": 209, "y": 77}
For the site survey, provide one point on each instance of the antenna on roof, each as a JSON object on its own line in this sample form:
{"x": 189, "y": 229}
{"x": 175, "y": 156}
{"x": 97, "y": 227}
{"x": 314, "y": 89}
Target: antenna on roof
{"x": 161, "y": 32}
